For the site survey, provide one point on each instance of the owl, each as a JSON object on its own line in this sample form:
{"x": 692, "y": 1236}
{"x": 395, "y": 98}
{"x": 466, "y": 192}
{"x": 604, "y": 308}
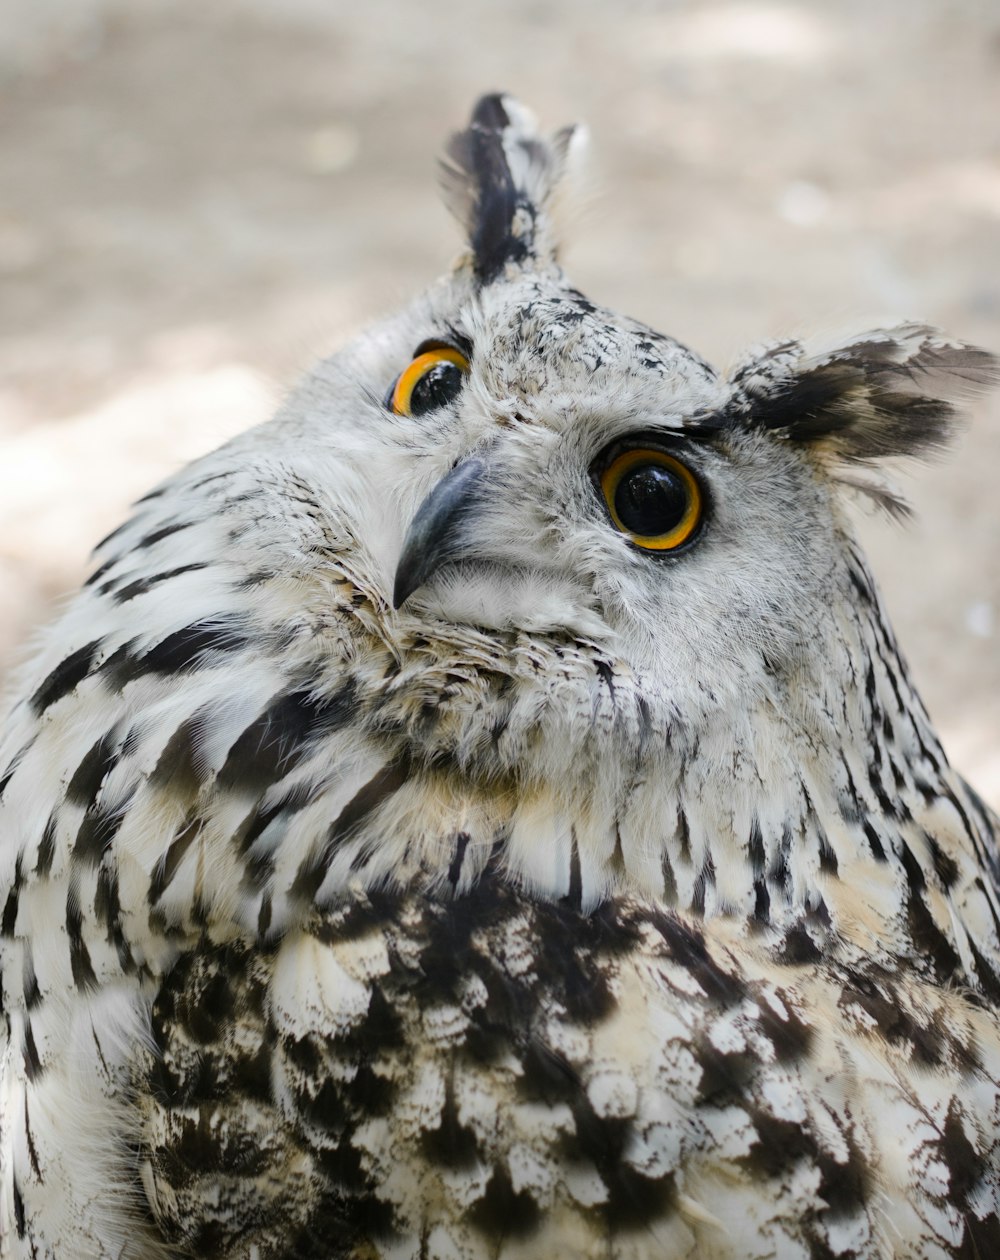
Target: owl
{"x": 483, "y": 813}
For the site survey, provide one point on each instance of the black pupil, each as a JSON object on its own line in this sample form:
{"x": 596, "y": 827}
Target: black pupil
{"x": 651, "y": 499}
{"x": 438, "y": 386}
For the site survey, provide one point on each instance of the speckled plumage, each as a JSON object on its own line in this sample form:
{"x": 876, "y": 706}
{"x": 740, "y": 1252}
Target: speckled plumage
{"x": 589, "y": 903}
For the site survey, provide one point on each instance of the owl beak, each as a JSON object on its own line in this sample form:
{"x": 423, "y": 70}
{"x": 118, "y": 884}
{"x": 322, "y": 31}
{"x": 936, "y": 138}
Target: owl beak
{"x": 437, "y": 534}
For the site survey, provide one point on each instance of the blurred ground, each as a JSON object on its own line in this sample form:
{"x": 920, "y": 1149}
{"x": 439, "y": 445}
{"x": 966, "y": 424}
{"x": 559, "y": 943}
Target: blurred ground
{"x": 196, "y": 200}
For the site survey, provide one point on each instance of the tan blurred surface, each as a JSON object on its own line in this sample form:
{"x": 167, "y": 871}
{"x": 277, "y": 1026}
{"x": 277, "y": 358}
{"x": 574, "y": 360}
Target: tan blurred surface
{"x": 197, "y": 200}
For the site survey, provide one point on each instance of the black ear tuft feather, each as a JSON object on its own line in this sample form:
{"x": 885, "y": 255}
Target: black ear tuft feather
{"x": 894, "y": 391}
{"x": 499, "y": 175}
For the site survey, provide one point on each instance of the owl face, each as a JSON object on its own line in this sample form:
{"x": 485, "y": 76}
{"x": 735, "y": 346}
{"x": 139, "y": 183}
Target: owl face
{"x": 557, "y": 469}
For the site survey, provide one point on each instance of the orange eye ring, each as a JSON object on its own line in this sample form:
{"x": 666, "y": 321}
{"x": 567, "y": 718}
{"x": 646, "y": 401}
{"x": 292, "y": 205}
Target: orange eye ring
{"x": 401, "y": 399}
{"x": 644, "y": 488}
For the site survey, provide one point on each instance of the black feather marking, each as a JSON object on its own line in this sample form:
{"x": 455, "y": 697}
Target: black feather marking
{"x": 386, "y": 783}
{"x": 264, "y": 916}
{"x": 9, "y": 917}
{"x": 451, "y": 1144}
{"x": 683, "y": 834}
{"x": 634, "y": 1200}
{"x": 502, "y": 1212}
{"x": 574, "y": 897}
{"x": 277, "y": 740}
{"x": 33, "y": 1160}
{"x": 166, "y": 868}
{"x": 798, "y": 946}
{"x": 981, "y": 1238}
{"x": 790, "y": 1036}
{"x": 177, "y": 766}
{"x": 761, "y": 893}
{"x": 157, "y": 534}
{"x": 501, "y": 207}
{"x": 928, "y": 938}
{"x": 845, "y": 1186}
{"x": 32, "y": 993}
{"x": 141, "y": 585}
{"x": 186, "y": 649}
{"x": 294, "y": 800}
{"x": 828, "y": 862}
{"x": 93, "y": 769}
{"x": 965, "y": 1166}
{"x": 478, "y": 155}
{"x": 780, "y": 1144}
{"x": 928, "y": 1041}
{"x": 79, "y": 956}
{"x": 118, "y": 529}
{"x": 888, "y": 394}
{"x": 107, "y": 907}
{"x": 32, "y": 1060}
{"x": 67, "y": 675}
{"x": 365, "y": 801}
{"x": 945, "y": 866}
{"x": 100, "y": 571}
{"x": 986, "y": 972}
{"x": 19, "y": 1221}
{"x": 181, "y": 652}
{"x": 874, "y": 843}
{"x": 687, "y": 946}
{"x": 801, "y": 405}
{"x": 46, "y": 848}
{"x": 704, "y": 880}
{"x": 458, "y": 858}
{"x": 12, "y": 766}
{"x": 762, "y": 902}
{"x": 98, "y": 829}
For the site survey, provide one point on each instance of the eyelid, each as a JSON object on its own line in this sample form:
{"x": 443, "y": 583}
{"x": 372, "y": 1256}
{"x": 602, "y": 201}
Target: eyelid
{"x": 457, "y": 342}
{"x": 677, "y": 443}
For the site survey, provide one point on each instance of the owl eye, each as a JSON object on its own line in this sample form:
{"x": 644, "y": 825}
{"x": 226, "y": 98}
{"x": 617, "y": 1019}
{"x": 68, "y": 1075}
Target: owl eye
{"x": 432, "y": 380}
{"x": 652, "y": 498}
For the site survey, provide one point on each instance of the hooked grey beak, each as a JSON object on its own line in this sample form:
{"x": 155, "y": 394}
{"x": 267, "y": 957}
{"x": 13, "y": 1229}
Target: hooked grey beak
{"x": 436, "y": 534}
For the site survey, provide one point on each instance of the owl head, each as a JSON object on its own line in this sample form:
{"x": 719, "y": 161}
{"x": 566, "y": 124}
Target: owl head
{"x": 510, "y": 459}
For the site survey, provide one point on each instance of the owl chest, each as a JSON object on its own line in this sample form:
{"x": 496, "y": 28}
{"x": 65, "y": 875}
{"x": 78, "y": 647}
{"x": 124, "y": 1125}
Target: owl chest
{"x": 498, "y": 1077}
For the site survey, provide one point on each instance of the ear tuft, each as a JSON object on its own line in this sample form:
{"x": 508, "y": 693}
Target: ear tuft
{"x": 893, "y": 391}
{"x": 499, "y": 176}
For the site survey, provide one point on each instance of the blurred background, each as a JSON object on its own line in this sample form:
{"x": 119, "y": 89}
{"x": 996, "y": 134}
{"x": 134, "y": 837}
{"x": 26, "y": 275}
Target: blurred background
{"x": 196, "y": 200}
